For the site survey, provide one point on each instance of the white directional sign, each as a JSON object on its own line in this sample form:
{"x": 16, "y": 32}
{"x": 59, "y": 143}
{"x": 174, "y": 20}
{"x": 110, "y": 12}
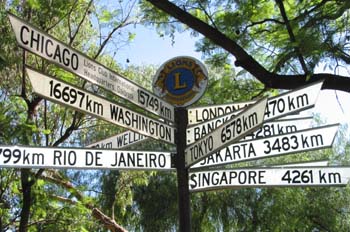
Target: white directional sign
{"x": 302, "y": 141}
{"x": 49, "y": 48}
{"x": 233, "y": 130}
{"x": 204, "y": 113}
{"x": 196, "y": 132}
{"x": 269, "y": 177}
{"x": 279, "y": 106}
{"x": 71, "y": 96}
{"x": 44, "y": 157}
{"x": 292, "y": 101}
{"x": 121, "y": 140}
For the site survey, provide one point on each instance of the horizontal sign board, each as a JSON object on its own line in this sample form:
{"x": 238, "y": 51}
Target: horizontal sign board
{"x": 232, "y": 131}
{"x": 287, "y": 103}
{"x": 68, "y": 95}
{"x": 121, "y": 140}
{"x": 75, "y": 158}
{"x": 49, "y": 48}
{"x": 204, "y": 113}
{"x": 292, "y": 101}
{"x": 302, "y": 141}
{"x": 269, "y": 177}
{"x": 196, "y": 132}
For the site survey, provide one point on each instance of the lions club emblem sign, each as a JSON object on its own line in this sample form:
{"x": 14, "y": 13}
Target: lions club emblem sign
{"x": 181, "y": 81}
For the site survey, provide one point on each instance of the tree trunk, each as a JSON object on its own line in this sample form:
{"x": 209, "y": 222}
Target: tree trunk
{"x": 26, "y": 200}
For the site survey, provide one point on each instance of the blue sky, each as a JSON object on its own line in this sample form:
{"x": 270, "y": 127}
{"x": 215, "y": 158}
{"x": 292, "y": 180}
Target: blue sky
{"x": 149, "y": 48}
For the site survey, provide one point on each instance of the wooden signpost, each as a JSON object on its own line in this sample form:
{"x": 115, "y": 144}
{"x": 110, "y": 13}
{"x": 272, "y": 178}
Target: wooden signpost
{"x": 217, "y": 135}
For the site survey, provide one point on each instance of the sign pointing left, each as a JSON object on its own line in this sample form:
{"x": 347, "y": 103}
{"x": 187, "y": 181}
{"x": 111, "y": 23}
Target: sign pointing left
{"x": 68, "y": 95}
{"x": 76, "y": 158}
{"x": 49, "y": 48}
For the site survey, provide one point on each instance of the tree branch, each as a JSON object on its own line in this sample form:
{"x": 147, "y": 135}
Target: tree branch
{"x": 243, "y": 59}
{"x": 72, "y": 37}
{"x": 261, "y": 22}
{"x": 96, "y": 213}
{"x": 123, "y": 23}
{"x": 74, "y": 125}
{"x": 291, "y": 35}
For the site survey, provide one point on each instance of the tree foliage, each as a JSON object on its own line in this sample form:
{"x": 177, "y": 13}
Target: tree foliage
{"x": 47, "y": 200}
{"x": 91, "y": 200}
{"x": 279, "y": 42}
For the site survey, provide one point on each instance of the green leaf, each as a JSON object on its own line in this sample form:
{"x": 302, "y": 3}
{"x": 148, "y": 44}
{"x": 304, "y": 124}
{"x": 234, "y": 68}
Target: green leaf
{"x": 106, "y": 16}
{"x": 47, "y": 131}
{"x": 131, "y": 36}
{"x": 35, "y": 4}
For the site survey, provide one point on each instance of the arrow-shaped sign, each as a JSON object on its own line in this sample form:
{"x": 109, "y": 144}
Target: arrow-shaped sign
{"x": 302, "y": 141}
{"x": 68, "y": 95}
{"x": 121, "y": 140}
{"x": 196, "y": 132}
{"x": 269, "y": 177}
{"x": 40, "y": 43}
{"x": 76, "y": 158}
{"x": 287, "y": 103}
{"x": 231, "y": 131}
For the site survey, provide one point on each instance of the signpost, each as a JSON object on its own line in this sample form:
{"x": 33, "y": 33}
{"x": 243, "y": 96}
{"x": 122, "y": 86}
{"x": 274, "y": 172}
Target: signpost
{"x": 215, "y": 139}
{"x": 302, "y": 141}
{"x": 68, "y": 95}
{"x": 269, "y": 177}
{"x": 232, "y": 131}
{"x": 122, "y": 140}
{"x": 181, "y": 81}
{"x": 40, "y": 43}
{"x": 75, "y": 158}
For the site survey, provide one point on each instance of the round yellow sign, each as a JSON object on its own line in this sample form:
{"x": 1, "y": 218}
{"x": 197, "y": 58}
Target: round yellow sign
{"x": 181, "y": 81}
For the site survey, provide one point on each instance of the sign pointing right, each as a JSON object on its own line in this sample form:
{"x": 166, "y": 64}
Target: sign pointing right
{"x": 301, "y": 141}
{"x": 292, "y": 101}
{"x": 231, "y": 131}
{"x": 269, "y": 177}
{"x": 276, "y": 107}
